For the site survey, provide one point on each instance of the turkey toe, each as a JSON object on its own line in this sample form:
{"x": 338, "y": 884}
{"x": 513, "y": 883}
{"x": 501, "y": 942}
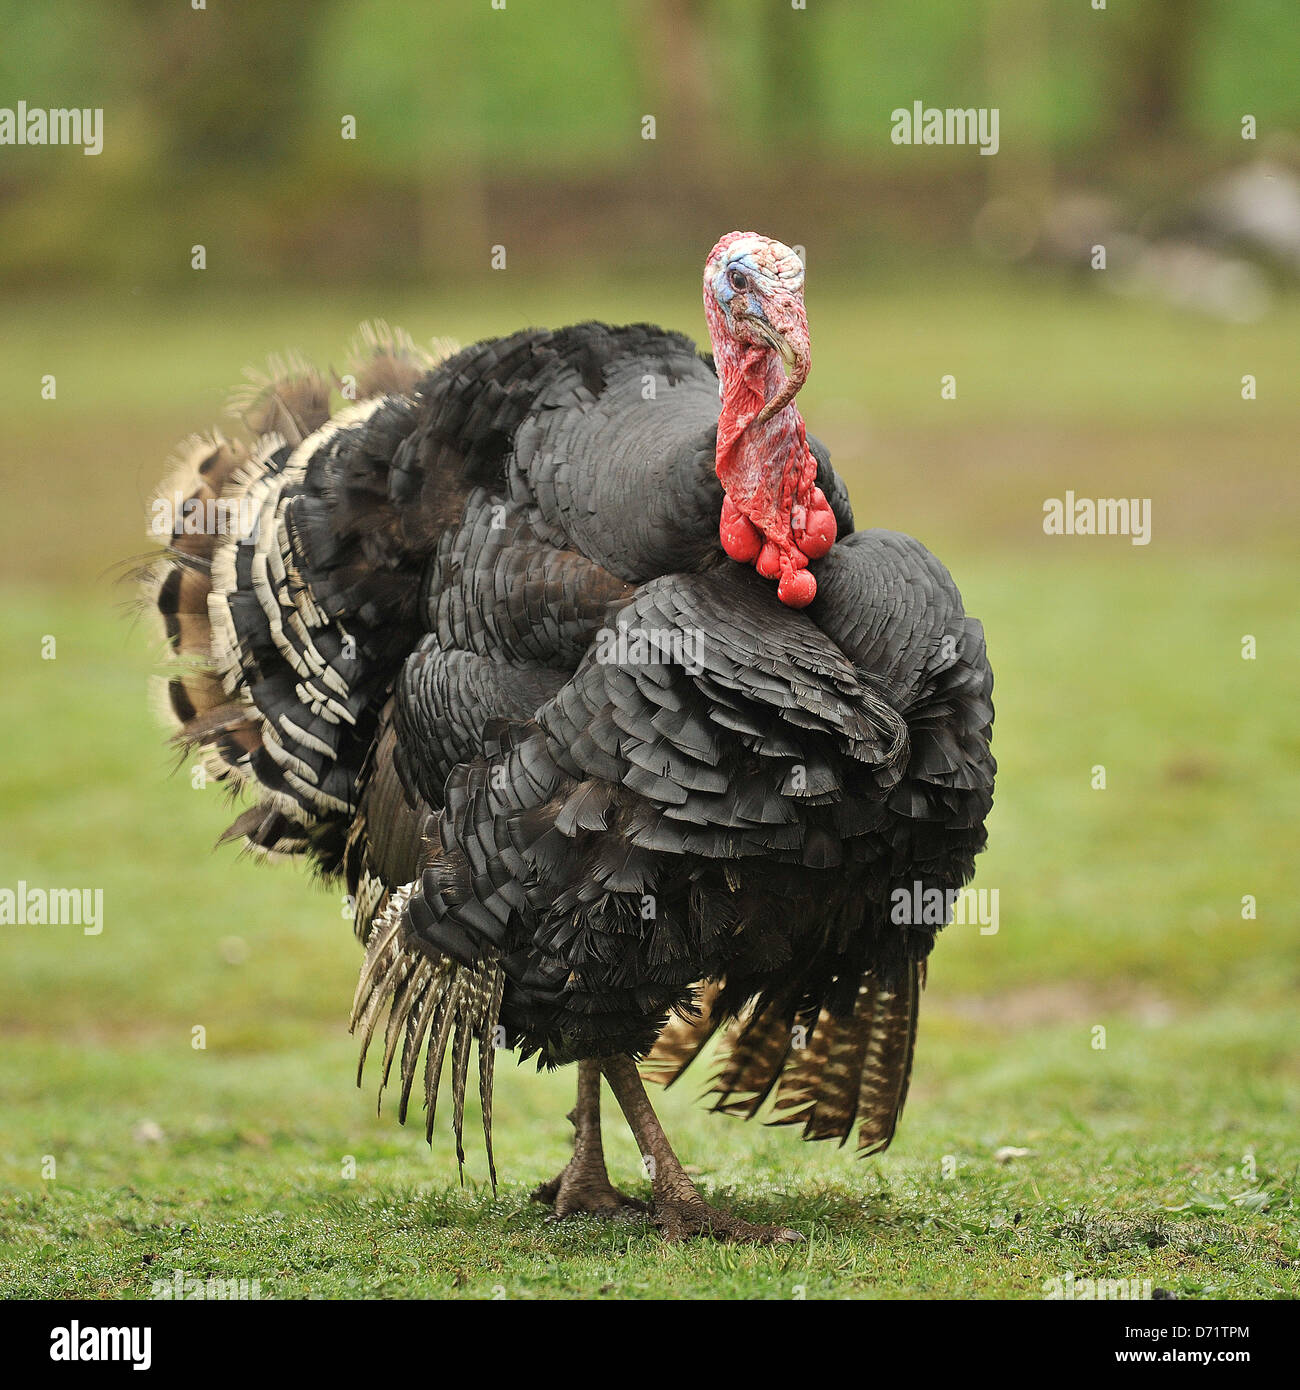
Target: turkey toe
{"x": 679, "y": 1220}
{"x": 576, "y": 1193}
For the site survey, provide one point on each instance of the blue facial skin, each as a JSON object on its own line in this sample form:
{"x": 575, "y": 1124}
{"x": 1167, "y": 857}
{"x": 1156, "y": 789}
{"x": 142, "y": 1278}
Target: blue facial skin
{"x": 727, "y": 294}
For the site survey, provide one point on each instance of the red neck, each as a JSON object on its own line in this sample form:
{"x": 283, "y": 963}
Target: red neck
{"x": 766, "y": 466}
{"x": 774, "y": 516}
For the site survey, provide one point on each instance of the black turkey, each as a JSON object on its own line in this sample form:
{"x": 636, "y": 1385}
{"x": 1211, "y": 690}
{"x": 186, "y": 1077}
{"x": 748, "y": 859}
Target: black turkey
{"x": 562, "y": 652}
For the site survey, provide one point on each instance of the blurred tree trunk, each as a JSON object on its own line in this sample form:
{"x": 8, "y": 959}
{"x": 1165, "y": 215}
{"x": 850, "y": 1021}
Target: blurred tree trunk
{"x": 1017, "y": 57}
{"x": 790, "y": 113}
{"x": 680, "y": 75}
{"x": 454, "y": 232}
{"x": 1158, "y": 41}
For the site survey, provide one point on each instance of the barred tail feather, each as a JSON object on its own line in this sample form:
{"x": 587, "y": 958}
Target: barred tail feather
{"x": 683, "y": 1038}
{"x": 269, "y": 585}
{"x": 888, "y": 1070}
{"x": 850, "y": 1070}
{"x": 857, "y": 1067}
{"x": 760, "y": 1045}
{"x": 177, "y": 583}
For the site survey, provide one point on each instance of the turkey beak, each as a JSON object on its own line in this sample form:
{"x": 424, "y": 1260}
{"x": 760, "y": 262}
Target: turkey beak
{"x": 785, "y": 328}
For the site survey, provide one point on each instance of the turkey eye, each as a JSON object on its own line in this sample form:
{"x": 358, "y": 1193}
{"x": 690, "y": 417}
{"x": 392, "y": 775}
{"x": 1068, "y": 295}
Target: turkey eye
{"x": 738, "y": 281}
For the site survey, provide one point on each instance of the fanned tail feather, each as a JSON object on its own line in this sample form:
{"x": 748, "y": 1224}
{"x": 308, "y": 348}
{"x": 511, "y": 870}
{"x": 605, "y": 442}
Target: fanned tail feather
{"x": 386, "y": 361}
{"x": 290, "y": 399}
{"x": 176, "y": 583}
{"x": 272, "y": 681}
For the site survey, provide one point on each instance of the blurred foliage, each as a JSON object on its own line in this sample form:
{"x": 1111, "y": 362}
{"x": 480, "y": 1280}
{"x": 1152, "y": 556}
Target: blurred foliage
{"x": 474, "y": 124}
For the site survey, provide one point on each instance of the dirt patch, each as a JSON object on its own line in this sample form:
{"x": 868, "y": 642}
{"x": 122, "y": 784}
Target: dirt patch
{"x": 1037, "y": 1006}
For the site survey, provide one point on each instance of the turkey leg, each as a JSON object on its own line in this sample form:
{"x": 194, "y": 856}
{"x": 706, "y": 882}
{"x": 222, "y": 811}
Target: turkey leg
{"x": 583, "y": 1185}
{"x": 678, "y": 1209}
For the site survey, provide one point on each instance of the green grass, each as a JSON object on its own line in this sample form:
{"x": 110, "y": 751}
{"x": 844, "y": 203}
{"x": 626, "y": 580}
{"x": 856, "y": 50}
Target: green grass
{"x": 1124, "y": 1181}
{"x": 1118, "y": 908}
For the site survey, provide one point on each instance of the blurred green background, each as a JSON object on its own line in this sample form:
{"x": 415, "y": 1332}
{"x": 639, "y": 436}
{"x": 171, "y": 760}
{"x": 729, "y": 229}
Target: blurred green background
{"x": 524, "y": 126}
{"x": 1169, "y": 1155}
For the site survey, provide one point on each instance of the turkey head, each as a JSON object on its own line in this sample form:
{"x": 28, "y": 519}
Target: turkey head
{"x": 774, "y": 516}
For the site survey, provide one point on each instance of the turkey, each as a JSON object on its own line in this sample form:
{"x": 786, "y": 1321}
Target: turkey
{"x": 562, "y": 653}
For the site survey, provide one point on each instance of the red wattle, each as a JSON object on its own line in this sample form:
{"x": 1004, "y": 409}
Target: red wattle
{"x": 797, "y": 588}
{"x": 768, "y": 563}
{"x": 820, "y": 530}
{"x": 740, "y": 538}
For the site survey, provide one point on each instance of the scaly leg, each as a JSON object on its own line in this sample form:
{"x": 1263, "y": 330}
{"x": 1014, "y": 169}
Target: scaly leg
{"x": 583, "y": 1185}
{"x": 679, "y": 1210}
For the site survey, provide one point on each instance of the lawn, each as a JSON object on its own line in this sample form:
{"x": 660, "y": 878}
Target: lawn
{"x": 1169, "y": 1155}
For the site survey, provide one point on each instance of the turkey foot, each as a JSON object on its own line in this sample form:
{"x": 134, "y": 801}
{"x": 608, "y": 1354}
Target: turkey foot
{"x": 678, "y": 1209}
{"x": 680, "y": 1217}
{"x": 582, "y": 1187}
{"x": 585, "y": 1190}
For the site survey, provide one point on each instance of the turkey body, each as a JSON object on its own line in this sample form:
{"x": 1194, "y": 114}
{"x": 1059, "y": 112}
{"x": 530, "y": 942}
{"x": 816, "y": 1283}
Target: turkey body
{"x": 475, "y": 650}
